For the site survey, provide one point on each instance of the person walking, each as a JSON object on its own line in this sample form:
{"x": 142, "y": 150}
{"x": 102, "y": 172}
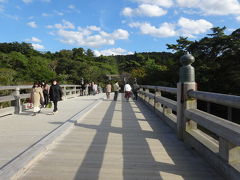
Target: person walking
{"x": 36, "y": 98}
{"x": 94, "y": 88}
{"x": 128, "y": 91}
{"x": 90, "y": 89}
{"x": 108, "y": 90}
{"x": 46, "y": 89}
{"x": 55, "y": 94}
{"x": 135, "y": 90}
{"x": 87, "y": 89}
{"x": 116, "y": 89}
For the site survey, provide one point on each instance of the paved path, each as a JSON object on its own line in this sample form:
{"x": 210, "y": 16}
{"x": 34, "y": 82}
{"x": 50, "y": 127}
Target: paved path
{"x": 120, "y": 140}
{"x": 18, "y": 132}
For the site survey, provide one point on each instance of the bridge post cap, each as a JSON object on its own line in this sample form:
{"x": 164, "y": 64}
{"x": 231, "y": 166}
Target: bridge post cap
{"x": 187, "y": 59}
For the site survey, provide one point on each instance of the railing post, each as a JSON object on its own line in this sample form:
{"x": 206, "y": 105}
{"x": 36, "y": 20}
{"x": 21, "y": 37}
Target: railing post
{"x": 146, "y": 98}
{"x": 64, "y": 92}
{"x": 167, "y": 110}
{"x": 18, "y": 106}
{"x": 186, "y": 83}
{"x": 75, "y": 90}
{"x": 140, "y": 93}
{"x": 228, "y": 151}
{"x": 157, "y": 105}
{"x": 151, "y": 101}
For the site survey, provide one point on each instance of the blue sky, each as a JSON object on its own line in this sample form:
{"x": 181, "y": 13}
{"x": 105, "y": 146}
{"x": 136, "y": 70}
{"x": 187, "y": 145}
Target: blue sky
{"x": 113, "y": 26}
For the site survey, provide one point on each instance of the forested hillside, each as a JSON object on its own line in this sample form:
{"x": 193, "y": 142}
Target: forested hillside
{"x": 21, "y": 64}
{"x": 217, "y": 64}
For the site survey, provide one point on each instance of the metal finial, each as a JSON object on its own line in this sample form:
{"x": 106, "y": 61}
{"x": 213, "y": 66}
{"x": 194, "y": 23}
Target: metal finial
{"x": 187, "y": 59}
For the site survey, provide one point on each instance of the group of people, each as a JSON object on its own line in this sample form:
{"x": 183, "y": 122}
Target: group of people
{"x": 42, "y": 93}
{"x": 90, "y": 89}
{"x": 128, "y": 90}
{"x": 116, "y": 89}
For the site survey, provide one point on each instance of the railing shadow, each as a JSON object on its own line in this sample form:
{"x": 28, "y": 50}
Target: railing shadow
{"x": 185, "y": 163}
{"x": 138, "y": 162}
{"x": 140, "y": 159}
{"x": 99, "y": 142}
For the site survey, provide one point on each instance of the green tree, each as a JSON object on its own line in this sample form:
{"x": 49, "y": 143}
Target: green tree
{"x": 7, "y": 76}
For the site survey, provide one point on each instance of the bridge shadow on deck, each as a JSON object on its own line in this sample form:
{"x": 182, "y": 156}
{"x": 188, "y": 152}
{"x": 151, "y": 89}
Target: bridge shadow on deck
{"x": 167, "y": 157}
{"x": 99, "y": 142}
{"x": 150, "y": 149}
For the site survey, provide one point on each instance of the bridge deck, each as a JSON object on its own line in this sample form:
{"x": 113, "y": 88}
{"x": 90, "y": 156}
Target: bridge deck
{"x": 18, "y": 132}
{"x": 120, "y": 140}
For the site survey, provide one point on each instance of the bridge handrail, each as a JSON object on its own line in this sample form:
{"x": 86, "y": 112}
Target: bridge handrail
{"x": 165, "y": 101}
{"x": 225, "y": 129}
{"x": 160, "y": 88}
{"x": 226, "y": 142}
{"x": 14, "y": 87}
{"x": 223, "y": 99}
{"x": 68, "y": 91}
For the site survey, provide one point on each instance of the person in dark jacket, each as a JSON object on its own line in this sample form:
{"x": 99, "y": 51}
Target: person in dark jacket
{"x": 55, "y": 94}
{"x": 135, "y": 90}
{"x": 46, "y": 89}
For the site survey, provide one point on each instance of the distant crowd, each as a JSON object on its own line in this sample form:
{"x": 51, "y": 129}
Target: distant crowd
{"x": 129, "y": 91}
{"x": 88, "y": 89}
{"x": 43, "y": 94}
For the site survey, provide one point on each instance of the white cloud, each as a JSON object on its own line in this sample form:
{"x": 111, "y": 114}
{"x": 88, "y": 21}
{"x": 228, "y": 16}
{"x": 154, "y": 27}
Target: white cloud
{"x": 230, "y": 30}
{"x": 54, "y": 13}
{"x": 144, "y": 10}
{"x": 58, "y": 13}
{"x": 94, "y": 28}
{"x": 51, "y": 33}
{"x": 32, "y": 24}
{"x": 238, "y": 18}
{"x": 38, "y": 46}
{"x": 31, "y": 17}
{"x": 27, "y": 1}
{"x": 71, "y": 6}
{"x": 163, "y": 3}
{"x": 212, "y": 7}
{"x": 164, "y": 30}
{"x": 128, "y": 11}
{"x": 45, "y": 14}
{"x": 184, "y": 27}
{"x": 120, "y": 34}
{"x": 190, "y": 27}
{"x": 112, "y": 51}
{"x": 34, "y": 39}
{"x": 91, "y": 36}
{"x": 3, "y": 1}
{"x": 49, "y": 26}
{"x": 65, "y": 25}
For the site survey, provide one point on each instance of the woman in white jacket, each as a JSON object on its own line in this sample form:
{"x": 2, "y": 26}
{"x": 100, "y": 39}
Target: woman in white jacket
{"x": 36, "y": 98}
{"x": 128, "y": 91}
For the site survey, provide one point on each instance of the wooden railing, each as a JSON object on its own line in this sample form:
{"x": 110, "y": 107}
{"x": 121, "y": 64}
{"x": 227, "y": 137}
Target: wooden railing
{"x": 17, "y": 94}
{"x": 215, "y": 138}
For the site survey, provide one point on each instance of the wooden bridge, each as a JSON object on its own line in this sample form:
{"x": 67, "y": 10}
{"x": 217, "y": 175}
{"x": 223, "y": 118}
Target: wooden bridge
{"x": 156, "y": 137}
